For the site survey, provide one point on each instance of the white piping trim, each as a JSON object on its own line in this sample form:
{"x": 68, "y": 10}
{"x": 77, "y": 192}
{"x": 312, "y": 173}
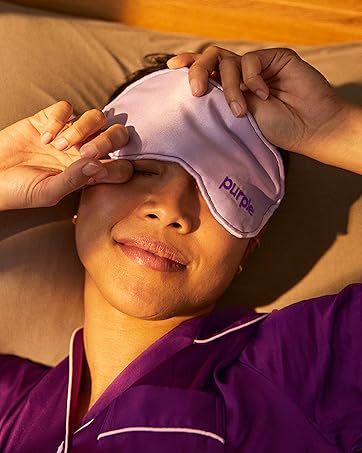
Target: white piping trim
{"x": 70, "y": 379}
{"x": 85, "y": 424}
{"x": 214, "y": 337}
{"x": 178, "y": 430}
{"x": 60, "y": 448}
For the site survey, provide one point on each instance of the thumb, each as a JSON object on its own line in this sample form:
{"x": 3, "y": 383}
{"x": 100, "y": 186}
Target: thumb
{"x": 271, "y": 117}
{"x": 78, "y": 174}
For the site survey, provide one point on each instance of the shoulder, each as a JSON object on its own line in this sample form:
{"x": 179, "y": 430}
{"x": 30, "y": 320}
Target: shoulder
{"x": 313, "y": 316}
{"x": 348, "y": 298}
{"x": 306, "y": 330}
{"x": 311, "y": 352}
{"x": 18, "y": 376}
{"x": 19, "y": 371}
{"x": 305, "y": 359}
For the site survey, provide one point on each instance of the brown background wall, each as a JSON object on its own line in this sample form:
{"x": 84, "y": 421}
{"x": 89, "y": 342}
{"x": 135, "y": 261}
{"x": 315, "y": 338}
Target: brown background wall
{"x": 288, "y": 21}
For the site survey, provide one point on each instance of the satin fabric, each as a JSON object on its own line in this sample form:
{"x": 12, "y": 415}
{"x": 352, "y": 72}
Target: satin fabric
{"x": 230, "y": 381}
{"x": 239, "y": 173}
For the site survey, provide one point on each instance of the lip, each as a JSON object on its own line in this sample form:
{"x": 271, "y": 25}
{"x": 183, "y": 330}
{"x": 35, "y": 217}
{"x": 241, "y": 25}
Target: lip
{"x": 154, "y": 253}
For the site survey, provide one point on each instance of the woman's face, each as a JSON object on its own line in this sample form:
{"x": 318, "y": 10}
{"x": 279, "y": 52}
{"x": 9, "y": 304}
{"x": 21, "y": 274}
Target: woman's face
{"x": 162, "y": 203}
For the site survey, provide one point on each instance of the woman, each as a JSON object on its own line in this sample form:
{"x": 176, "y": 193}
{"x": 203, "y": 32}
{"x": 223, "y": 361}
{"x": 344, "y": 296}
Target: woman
{"x": 156, "y": 367}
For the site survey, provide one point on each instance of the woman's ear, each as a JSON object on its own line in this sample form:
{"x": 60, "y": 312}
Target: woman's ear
{"x": 254, "y": 243}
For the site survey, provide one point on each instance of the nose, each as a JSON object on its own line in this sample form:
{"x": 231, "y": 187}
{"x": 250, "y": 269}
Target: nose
{"x": 174, "y": 204}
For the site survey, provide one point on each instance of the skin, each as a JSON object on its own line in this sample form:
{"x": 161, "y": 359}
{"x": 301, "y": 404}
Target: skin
{"x": 295, "y": 108}
{"x": 124, "y": 299}
{"x": 35, "y": 174}
{"x": 293, "y": 103}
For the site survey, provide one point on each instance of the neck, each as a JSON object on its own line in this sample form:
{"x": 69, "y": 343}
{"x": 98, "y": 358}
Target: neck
{"x": 112, "y": 340}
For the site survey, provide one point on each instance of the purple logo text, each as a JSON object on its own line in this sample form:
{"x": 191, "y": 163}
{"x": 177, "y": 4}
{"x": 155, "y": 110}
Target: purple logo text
{"x": 237, "y": 193}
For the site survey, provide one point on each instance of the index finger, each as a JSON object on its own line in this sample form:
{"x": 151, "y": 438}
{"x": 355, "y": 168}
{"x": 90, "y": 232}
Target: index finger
{"x": 201, "y": 70}
{"x": 113, "y": 138}
{"x": 253, "y": 65}
{"x": 203, "y": 67}
{"x": 89, "y": 123}
{"x": 57, "y": 115}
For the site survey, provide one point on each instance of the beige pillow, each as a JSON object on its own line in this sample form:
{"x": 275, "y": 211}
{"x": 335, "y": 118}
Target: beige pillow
{"x": 312, "y": 246}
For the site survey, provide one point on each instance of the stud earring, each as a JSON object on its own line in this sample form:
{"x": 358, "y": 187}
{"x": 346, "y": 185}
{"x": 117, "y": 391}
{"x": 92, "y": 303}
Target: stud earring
{"x": 240, "y": 269}
{"x": 257, "y": 240}
{"x": 74, "y": 219}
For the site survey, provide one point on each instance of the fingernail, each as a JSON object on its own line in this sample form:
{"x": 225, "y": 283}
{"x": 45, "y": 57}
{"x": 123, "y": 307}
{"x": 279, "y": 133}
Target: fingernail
{"x": 172, "y": 60}
{"x": 195, "y": 86}
{"x": 236, "y": 109}
{"x": 88, "y": 151}
{"x": 262, "y": 94}
{"x": 60, "y": 143}
{"x": 93, "y": 169}
{"x": 46, "y": 138}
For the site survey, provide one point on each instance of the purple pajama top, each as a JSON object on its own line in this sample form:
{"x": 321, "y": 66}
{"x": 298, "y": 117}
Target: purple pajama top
{"x": 229, "y": 381}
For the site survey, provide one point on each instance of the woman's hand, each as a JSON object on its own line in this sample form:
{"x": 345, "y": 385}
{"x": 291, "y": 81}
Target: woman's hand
{"x": 293, "y": 104}
{"x": 35, "y": 174}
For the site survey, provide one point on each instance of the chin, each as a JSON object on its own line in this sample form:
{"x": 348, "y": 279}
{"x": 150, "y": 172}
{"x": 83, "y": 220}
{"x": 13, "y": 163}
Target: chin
{"x": 143, "y": 309}
{"x": 133, "y": 299}
{"x": 143, "y": 295}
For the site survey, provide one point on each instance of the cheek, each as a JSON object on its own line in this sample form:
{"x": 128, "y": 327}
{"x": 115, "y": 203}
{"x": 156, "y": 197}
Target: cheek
{"x": 220, "y": 247}
{"x": 212, "y": 280}
{"x": 100, "y": 207}
{"x": 220, "y": 254}
{"x": 103, "y": 198}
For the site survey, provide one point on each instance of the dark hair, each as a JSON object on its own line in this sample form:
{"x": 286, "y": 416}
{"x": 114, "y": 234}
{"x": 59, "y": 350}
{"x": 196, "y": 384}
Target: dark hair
{"x": 157, "y": 61}
{"x": 153, "y": 62}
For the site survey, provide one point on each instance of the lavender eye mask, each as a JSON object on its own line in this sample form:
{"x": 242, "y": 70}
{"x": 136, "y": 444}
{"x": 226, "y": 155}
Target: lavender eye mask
{"x": 239, "y": 173}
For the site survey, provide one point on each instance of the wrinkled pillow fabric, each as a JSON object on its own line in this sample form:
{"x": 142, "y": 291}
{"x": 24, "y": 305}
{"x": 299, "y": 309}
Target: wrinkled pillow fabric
{"x": 311, "y": 247}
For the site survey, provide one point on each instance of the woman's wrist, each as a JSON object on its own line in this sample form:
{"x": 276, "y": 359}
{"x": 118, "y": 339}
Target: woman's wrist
{"x": 339, "y": 141}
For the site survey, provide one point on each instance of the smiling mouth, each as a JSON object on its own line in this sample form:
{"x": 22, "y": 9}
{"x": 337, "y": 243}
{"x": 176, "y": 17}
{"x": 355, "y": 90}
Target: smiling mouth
{"x": 150, "y": 260}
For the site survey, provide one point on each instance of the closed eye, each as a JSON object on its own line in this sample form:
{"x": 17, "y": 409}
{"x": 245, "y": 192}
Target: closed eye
{"x": 145, "y": 173}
